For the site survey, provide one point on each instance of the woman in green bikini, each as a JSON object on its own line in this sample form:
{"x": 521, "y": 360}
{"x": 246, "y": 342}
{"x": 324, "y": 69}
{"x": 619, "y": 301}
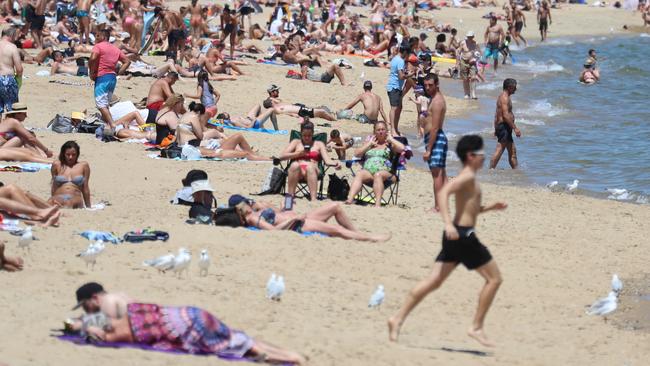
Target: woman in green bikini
{"x": 377, "y": 165}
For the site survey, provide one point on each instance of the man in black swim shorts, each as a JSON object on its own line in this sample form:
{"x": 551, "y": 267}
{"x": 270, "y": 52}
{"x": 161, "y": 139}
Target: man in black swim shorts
{"x": 460, "y": 243}
{"x": 504, "y": 124}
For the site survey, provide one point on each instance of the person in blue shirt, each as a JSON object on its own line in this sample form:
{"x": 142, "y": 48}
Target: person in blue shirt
{"x": 395, "y": 87}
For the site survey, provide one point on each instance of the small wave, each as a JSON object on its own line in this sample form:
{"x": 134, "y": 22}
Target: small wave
{"x": 533, "y": 122}
{"x": 540, "y": 67}
{"x": 488, "y": 86}
{"x": 644, "y": 35}
{"x": 542, "y": 107}
{"x": 627, "y": 196}
{"x": 559, "y": 42}
{"x": 642, "y": 199}
{"x": 632, "y": 70}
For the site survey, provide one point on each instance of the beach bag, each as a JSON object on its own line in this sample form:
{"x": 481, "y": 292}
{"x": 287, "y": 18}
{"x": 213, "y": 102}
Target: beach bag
{"x": 87, "y": 127}
{"x": 338, "y": 188}
{"x": 172, "y": 151}
{"x": 274, "y": 181}
{"x": 189, "y": 152}
{"x": 61, "y": 124}
{"x": 227, "y": 217}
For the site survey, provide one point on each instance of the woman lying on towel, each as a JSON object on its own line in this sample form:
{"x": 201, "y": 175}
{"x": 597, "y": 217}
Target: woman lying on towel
{"x": 314, "y": 221}
{"x": 19, "y": 144}
{"x": 212, "y": 143}
{"x": 187, "y": 329}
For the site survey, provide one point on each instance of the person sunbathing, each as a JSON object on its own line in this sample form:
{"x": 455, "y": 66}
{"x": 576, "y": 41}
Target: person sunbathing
{"x": 70, "y": 178}
{"x": 212, "y": 143}
{"x": 314, "y": 221}
{"x": 59, "y": 66}
{"x": 305, "y": 154}
{"x": 17, "y": 143}
{"x": 184, "y": 329}
{"x": 377, "y": 163}
{"x": 331, "y": 71}
{"x": 132, "y": 126}
{"x": 7, "y": 263}
{"x": 16, "y": 201}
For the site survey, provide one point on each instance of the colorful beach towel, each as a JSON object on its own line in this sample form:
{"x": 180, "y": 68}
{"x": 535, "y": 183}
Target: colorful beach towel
{"x": 24, "y": 167}
{"x": 157, "y": 156}
{"x": 273, "y": 62}
{"x": 260, "y": 130}
{"x": 100, "y": 235}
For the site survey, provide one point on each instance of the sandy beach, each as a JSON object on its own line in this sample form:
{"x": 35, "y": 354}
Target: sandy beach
{"x": 557, "y": 251}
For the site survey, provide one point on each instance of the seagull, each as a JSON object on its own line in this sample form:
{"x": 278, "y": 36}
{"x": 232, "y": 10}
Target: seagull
{"x": 91, "y": 253}
{"x": 604, "y": 306}
{"x": 617, "y": 284}
{"x": 204, "y": 263}
{"x": 162, "y": 264}
{"x": 377, "y": 298}
{"x": 616, "y": 191}
{"x": 363, "y": 75}
{"x": 552, "y": 184}
{"x": 572, "y": 186}
{"x": 26, "y": 239}
{"x": 182, "y": 261}
{"x": 270, "y": 285}
{"x": 279, "y": 289}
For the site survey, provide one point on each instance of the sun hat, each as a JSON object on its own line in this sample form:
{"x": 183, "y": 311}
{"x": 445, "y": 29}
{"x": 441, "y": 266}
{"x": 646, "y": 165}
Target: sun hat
{"x": 17, "y": 108}
{"x": 201, "y": 185}
{"x": 193, "y": 176}
{"x": 78, "y": 115}
{"x": 86, "y": 292}
{"x": 469, "y": 34}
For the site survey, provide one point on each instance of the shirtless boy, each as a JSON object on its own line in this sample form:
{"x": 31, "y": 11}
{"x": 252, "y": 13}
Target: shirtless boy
{"x": 504, "y": 124}
{"x": 460, "y": 243}
{"x": 372, "y": 105}
{"x": 435, "y": 140}
{"x": 544, "y": 19}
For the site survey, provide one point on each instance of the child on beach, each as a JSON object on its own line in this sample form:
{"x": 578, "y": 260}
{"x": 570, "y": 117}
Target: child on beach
{"x": 340, "y": 142}
{"x": 459, "y": 242}
{"x": 421, "y": 104}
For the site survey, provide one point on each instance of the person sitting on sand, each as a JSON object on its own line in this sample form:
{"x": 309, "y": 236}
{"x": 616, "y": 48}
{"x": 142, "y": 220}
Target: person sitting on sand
{"x": 314, "y": 221}
{"x": 372, "y": 104}
{"x": 59, "y": 66}
{"x": 377, "y": 163}
{"x": 331, "y": 71}
{"x": 208, "y": 95}
{"x": 167, "y": 118}
{"x": 70, "y": 188}
{"x": 9, "y": 264}
{"x": 17, "y": 143}
{"x": 193, "y": 331}
{"x": 340, "y": 142}
{"x": 589, "y": 75}
{"x": 191, "y": 131}
{"x": 26, "y": 205}
{"x": 646, "y": 16}
{"x": 305, "y": 154}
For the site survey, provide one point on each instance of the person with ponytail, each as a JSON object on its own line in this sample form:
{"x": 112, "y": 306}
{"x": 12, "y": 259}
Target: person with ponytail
{"x": 208, "y": 95}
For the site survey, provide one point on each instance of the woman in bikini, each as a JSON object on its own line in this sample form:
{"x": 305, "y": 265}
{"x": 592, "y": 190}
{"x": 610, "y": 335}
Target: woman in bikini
{"x": 19, "y": 144}
{"x": 305, "y": 154}
{"x": 70, "y": 178}
{"x": 132, "y": 126}
{"x": 212, "y": 143}
{"x": 168, "y": 117}
{"x": 377, "y": 163}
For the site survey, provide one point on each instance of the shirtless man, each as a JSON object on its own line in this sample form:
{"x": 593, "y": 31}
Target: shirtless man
{"x": 435, "y": 154}
{"x": 65, "y": 35}
{"x": 466, "y": 62}
{"x": 94, "y": 299}
{"x": 520, "y": 23}
{"x": 83, "y": 9}
{"x": 646, "y": 16}
{"x": 11, "y": 69}
{"x": 230, "y": 26}
{"x": 504, "y": 124}
{"x": 460, "y": 243}
{"x": 159, "y": 91}
{"x": 38, "y": 22}
{"x": 213, "y": 56}
{"x": 453, "y": 44}
{"x": 372, "y": 105}
{"x": 59, "y": 66}
{"x": 175, "y": 32}
{"x": 494, "y": 35}
{"x": 544, "y": 19}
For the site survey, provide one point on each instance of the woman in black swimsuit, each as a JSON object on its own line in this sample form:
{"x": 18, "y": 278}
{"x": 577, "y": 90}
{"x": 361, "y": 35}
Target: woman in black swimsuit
{"x": 168, "y": 117}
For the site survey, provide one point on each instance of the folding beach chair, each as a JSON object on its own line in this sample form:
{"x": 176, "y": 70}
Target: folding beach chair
{"x": 398, "y": 163}
{"x": 302, "y": 189}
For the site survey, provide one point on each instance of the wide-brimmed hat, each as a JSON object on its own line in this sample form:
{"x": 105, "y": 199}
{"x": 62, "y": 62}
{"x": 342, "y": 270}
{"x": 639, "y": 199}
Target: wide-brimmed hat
{"x": 78, "y": 115}
{"x": 470, "y": 34}
{"x": 17, "y": 108}
{"x": 201, "y": 185}
{"x": 194, "y": 175}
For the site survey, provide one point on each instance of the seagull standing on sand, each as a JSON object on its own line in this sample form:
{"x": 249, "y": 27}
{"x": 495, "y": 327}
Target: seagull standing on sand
{"x": 617, "y": 284}
{"x": 182, "y": 261}
{"x": 204, "y": 263}
{"x": 377, "y": 298}
{"x": 270, "y": 285}
{"x": 91, "y": 253}
{"x": 604, "y": 306}
{"x": 162, "y": 264}
{"x": 572, "y": 186}
{"x": 26, "y": 239}
{"x": 552, "y": 184}
{"x": 275, "y": 287}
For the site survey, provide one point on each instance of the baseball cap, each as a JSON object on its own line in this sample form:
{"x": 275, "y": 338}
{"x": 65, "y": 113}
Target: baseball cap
{"x": 273, "y": 87}
{"x": 194, "y": 175}
{"x": 236, "y": 199}
{"x": 367, "y": 84}
{"x": 201, "y": 185}
{"x": 413, "y": 59}
{"x": 470, "y": 34}
{"x": 86, "y": 292}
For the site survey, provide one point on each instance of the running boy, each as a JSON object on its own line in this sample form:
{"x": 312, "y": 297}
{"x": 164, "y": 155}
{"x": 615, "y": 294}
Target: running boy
{"x": 459, "y": 242}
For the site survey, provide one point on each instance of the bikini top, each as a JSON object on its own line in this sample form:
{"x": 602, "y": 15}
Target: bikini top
{"x": 311, "y": 155}
{"x": 268, "y": 215}
{"x": 7, "y": 135}
{"x": 61, "y": 180}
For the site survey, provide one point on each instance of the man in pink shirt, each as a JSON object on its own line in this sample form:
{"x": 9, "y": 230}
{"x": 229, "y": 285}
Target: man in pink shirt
{"x": 102, "y": 65}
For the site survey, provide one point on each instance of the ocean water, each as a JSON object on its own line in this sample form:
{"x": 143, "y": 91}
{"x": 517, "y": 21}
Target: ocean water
{"x": 598, "y": 134}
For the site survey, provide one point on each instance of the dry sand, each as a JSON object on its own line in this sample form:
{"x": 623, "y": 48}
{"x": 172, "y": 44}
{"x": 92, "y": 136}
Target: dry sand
{"x": 556, "y": 251}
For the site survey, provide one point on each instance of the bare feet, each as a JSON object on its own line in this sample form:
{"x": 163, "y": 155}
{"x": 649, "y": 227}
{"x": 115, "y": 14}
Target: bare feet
{"x": 393, "y": 329}
{"x": 480, "y": 336}
{"x": 381, "y": 238}
{"x": 433, "y": 210}
{"x": 53, "y": 218}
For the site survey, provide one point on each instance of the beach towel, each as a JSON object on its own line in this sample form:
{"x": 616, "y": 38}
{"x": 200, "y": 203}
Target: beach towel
{"x": 100, "y": 235}
{"x": 73, "y": 83}
{"x": 24, "y": 167}
{"x": 157, "y": 156}
{"x": 303, "y": 233}
{"x": 273, "y": 62}
{"x": 260, "y": 130}
{"x": 148, "y": 20}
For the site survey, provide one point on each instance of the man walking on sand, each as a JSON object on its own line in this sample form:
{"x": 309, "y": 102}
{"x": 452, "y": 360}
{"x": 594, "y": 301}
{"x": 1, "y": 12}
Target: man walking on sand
{"x": 11, "y": 70}
{"x": 460, "y": 243}
{"x": 544, "y": 19}
{"x": 504, "y": 124}
{"x": 435, "y": 140}
{"x": 372, "y": 105}
{"x": 102, "y": 65}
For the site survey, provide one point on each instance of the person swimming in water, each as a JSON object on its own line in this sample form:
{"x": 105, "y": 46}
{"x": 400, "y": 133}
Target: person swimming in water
{"x": 589, "y": 74}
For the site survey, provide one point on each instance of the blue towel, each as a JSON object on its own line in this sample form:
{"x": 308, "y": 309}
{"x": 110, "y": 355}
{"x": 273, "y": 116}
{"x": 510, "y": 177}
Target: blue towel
{"x": 304, "y": 233}
{"x": 261, "y": 130}
{"x": 29, "y": 167}
{"x": 148, "y": 20}
{"x": 273, "y": 62}
{"x": 100, "y": 235}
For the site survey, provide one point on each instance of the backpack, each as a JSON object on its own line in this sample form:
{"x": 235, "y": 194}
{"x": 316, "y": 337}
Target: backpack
{"x": 274, "y": 182}
{"x": 338, "y": 188}
{"x": 61, "y": 124}
{"x": 172, "y": 151}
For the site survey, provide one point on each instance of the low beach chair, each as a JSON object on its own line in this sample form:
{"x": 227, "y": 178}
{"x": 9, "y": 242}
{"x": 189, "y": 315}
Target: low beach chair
{"x": 302, "y": 189}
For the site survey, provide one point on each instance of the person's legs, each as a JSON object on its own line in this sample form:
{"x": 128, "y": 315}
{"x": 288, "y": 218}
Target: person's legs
{"x": 490, "y": 272}
{"x": 439, "y": 176}
{"x": 14, "y": 193}
{"x": 378, "y": 185}
{"x": 466, "y": 87}
{"x": 326, "y": 212}
{"x": 312, "y": 181}
{"x": 512, "y": 155}
{"x": 294, "y": 174}
{"x": 232, "y": 142}
{"x": 130, "y": 117}
{"x": 336, "y": 70}
{"x": 236, "y": 154}
{"x": 9, "y": 264}
{"x": 233, "y": 37}
{"x": 439, "y": 274}
{"x": 273, "y": 354}
{"x": 361, "y": 177}
{"x": 341, "y": 232}
{"x": 21, "y": 154}
{"x": 497, "y": 155}
{"x": 321, "y": 113}
{"x": 34, "y": 213}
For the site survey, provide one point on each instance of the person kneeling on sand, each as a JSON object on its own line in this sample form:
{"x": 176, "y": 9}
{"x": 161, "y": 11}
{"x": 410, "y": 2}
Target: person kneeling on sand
{"x": 193, "y": 330}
